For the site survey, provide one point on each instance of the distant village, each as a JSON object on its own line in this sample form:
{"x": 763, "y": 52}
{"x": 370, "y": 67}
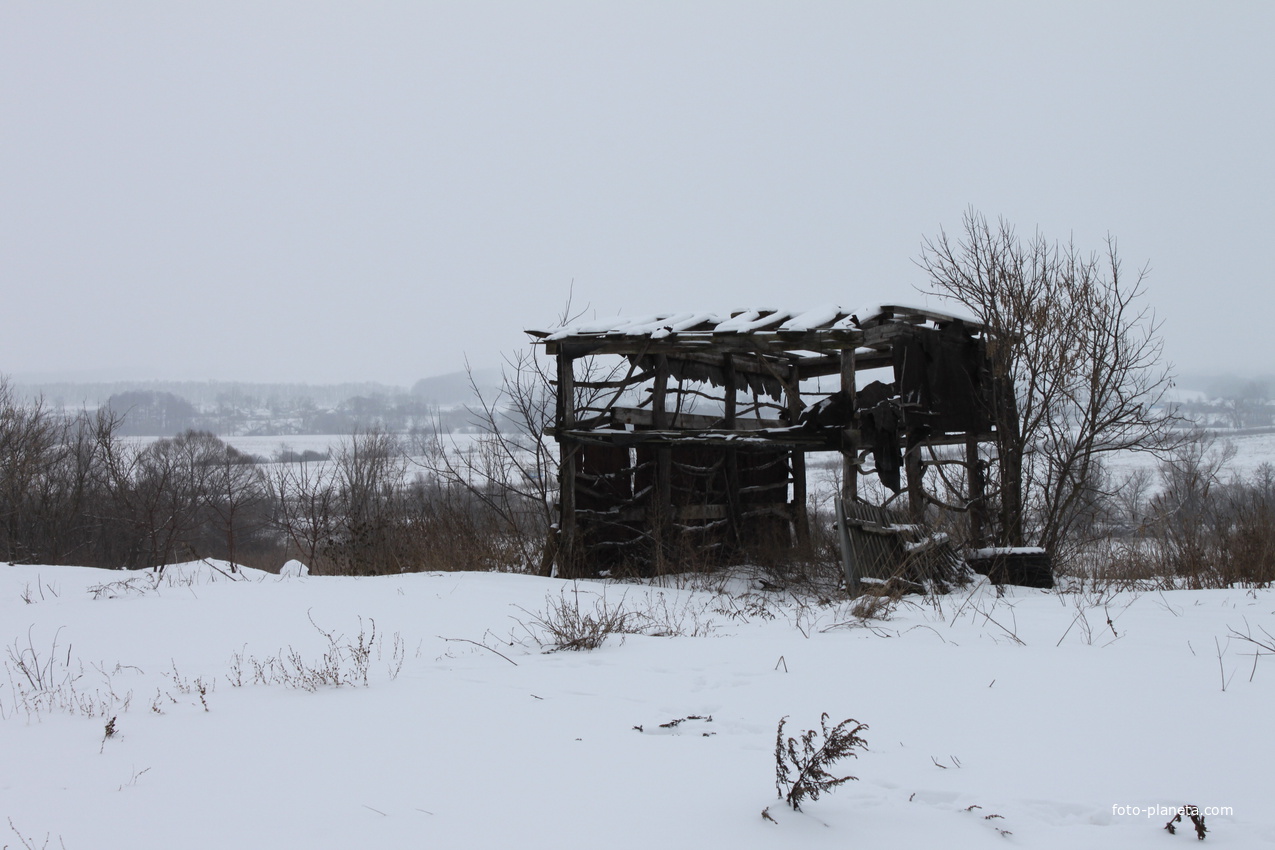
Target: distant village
{"x": 440, "y": 404}
{"x": 238, "y": 409}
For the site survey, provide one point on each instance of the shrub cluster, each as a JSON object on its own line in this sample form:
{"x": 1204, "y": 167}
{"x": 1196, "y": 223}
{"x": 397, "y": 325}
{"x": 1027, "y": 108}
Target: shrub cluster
{"x": 1200, "y": 528}
{"x": 1203, "y": 534}
{"x": 73, "y": 490}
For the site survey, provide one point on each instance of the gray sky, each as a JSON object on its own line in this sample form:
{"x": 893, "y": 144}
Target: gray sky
{"x": 324, "y": 192}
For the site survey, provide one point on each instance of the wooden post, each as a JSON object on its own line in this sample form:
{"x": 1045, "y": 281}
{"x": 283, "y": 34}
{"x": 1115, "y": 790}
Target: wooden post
{"x": 661, "y": 511}
{"x": 569, "y": 553}
{"x": 916, "y": 491}
{"x": 731, "y": 454}
{"x": 977, "y": 503}
{"x": 848, "y": 563}
{"x": 849, "y": 441}
{"x": 800, "y": 521}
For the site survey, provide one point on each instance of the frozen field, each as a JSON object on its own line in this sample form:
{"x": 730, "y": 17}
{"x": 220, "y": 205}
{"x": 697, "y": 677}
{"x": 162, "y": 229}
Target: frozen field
{"x": 1023, "y": 721}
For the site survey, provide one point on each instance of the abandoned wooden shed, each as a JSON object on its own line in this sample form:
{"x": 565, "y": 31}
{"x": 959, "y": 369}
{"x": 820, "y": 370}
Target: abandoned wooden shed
{"x": 686, "y": 434}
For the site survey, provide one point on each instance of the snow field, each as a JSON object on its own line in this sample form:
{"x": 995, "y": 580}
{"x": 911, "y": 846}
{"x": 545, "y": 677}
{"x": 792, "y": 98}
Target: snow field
{"x": 1030, "y": 707}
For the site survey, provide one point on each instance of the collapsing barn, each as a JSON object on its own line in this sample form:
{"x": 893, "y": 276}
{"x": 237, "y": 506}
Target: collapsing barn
{"x": 694, "y": 442}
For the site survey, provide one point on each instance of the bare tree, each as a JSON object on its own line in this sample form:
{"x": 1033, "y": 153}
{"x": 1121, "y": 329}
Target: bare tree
{"x": 510, "y": 468}
{"x": 161, "y": 491}
{"x": 507, "y": 470}
{"x": 305, "y": 506}
{"x": 1192, "y": 522}
{"x": 1247, "y": 405}
{"x": 1077, "y": 362}
{"x": 233, "y": 495}
{"x": 33, "y": 445}
{"x": 368, "y": 474}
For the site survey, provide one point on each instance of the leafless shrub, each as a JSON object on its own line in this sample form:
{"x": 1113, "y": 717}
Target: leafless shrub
{"x": 567, "y": 623}
{"x": 1197, "y": 821}
{"x": 184, "y": 685}
{"x": 448, "y": 527}
{"x": 74, "y": 491}
{"x": 507, "y": 471}
{"x": 1120, "y": 564}
{"x": 344, "y": 663}
{"x": 44, "y": 590}
{"x": 1265, "y": 645}
{"x": 745, "y": 607}
{"x": 1098, "y": 602}
{"x": 674, "y": 615}
{"x": 1204, "y": 528}
{"x": 29, "y": 843}
{"x": 45, "y": 681}
{"x": 978, "y": 606}
{"x": 360, "y": 515}
{"x": 1208, "y": 531}
{"x": 506, "y": 464}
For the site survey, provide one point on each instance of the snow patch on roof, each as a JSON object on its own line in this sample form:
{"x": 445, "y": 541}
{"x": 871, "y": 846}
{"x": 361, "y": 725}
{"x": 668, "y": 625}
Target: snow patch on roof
{"x": 812, "y": 318}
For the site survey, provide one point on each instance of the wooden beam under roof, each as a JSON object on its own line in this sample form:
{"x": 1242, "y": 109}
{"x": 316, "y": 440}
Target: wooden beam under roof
{"x": 768, "y": 341}
{"x": 643, "y": 418}
{"x": 828, "y": 439}
{"x": 756, "y": 439}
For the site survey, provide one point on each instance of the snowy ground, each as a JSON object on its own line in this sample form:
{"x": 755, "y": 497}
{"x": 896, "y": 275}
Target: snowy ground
{"x": 1028, "y": 714}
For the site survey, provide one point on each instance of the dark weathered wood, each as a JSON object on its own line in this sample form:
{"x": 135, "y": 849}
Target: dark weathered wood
{"x": 742, "y": 362}
{"x": 1025, "y": 567}
{"x": 977, "y": 497}
{"x": 730, "y": 423}
{"x": 683, "y": 344}
{"x": 662, "y": 507}
{"x": 568, "y": 542}
{"x": 684, "y": 513}
{"x": 830, "y": 364}
{"x": 849, "y": 441}
{"x": 810, "y": 440}
{"x": 798, "y": 460}
{"x": 620, "y": 383}
{"x": 914, "y": 470}
{"x": 688, "y": 421}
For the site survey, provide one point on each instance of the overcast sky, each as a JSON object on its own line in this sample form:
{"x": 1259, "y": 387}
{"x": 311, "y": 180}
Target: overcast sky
{"x": 375, "y": 191}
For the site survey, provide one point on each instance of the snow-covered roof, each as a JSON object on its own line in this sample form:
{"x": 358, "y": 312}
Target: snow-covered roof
{"x": 753, "y": 321}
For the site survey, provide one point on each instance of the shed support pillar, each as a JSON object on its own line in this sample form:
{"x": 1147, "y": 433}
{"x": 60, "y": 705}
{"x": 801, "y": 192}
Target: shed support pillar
{"x": 977, "y": 499}
{"x": 569, "y": 543}
{"x": 800, "y": 521}
{"x": 660, "y": 515}
{"x": 850, "y": 435}
{"x": 915, "y": 472}
{"x": 731, "y": 454}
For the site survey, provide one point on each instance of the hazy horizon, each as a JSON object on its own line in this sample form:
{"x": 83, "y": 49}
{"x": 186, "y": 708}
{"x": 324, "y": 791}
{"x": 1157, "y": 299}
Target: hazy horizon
{"x": 318, "y": 192}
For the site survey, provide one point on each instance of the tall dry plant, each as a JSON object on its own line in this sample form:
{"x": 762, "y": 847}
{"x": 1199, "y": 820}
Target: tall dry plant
{"x": 802, "y": 763}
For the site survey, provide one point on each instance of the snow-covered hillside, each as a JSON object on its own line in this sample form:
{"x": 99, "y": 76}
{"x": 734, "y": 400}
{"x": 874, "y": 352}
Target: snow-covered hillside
{"x": 1025, "y": 720}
